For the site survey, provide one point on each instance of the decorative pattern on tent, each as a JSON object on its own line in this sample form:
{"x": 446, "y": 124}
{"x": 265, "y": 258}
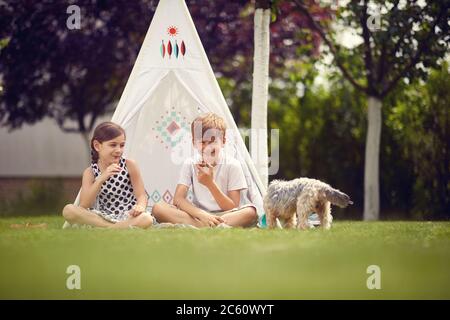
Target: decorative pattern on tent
{"x": 177, "y": 50}
{"x": 169, "y": 48}
{"x": 163, "y": 49}
{"x": 171, "y": 129}
{"x": 166, "y": 197}
{"x": 172, "y": 31}
{"x": 155, "y": 196}
{"x": 190, "y": 195}
{"x": 183, "y": 48}
{"x": 172, "y": 47}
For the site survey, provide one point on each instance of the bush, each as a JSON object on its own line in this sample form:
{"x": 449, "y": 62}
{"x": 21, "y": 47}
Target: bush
{"x": 40, "y": 197}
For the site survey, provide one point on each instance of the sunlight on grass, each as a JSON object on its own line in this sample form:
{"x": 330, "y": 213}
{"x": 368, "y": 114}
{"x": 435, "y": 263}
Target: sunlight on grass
{"x": 226, "y": 264}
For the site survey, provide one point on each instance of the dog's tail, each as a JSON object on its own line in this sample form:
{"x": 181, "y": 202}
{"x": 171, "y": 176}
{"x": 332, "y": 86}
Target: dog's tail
{"x": 337, "y": 197}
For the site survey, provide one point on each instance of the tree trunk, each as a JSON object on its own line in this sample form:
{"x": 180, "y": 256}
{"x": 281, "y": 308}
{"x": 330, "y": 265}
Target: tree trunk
{"x": 258, "y": 138}
{"x": 371, "y": 172}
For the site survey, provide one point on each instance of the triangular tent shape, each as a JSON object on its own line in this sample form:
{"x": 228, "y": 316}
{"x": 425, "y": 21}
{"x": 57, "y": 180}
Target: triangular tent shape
{"x": 171, "y": 83}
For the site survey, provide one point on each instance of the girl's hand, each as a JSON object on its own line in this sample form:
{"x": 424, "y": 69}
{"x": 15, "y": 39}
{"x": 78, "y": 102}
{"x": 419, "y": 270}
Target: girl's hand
{"x": 209, "y": 220}
{"x": 110, "y": 171}
{"x": 137, "y": 210}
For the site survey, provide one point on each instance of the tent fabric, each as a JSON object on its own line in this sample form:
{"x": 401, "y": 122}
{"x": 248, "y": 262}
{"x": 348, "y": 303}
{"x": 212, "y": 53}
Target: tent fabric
{"x": 171, "y": 83}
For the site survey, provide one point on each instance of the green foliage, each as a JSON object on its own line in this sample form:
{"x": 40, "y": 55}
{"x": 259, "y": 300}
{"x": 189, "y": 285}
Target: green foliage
{"x": 322, "y": 135}
{"x": 39, "y": 197}
{"x": 419, "y": 124}
{"x": 411, "y": 37}
{"x": 323, "y": 132}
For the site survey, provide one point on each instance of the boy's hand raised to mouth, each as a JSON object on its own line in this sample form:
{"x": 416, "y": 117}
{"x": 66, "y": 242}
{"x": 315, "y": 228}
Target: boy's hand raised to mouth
{"x": 205, "y": 174}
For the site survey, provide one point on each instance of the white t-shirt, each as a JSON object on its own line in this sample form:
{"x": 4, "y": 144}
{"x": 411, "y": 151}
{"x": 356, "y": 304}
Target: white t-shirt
{"x": 227, "y": 174}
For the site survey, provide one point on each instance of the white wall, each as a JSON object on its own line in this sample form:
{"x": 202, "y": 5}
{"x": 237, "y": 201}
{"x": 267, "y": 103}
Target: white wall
{"x": 42, "y": 150}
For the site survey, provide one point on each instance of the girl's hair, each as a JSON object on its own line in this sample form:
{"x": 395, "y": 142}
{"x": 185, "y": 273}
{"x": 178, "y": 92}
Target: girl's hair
{"x": 103, "y": 132}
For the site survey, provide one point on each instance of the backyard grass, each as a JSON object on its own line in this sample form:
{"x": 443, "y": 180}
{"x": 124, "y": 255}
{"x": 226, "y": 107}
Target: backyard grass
{"x": 413, "y": 257}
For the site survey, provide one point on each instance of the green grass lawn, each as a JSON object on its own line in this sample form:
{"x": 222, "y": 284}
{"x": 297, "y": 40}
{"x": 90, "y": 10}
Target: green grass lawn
{"x": 414, "y": 259}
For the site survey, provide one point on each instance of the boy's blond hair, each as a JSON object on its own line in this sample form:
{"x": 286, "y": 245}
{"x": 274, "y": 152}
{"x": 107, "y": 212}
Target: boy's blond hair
{"x": 207, "y": 122}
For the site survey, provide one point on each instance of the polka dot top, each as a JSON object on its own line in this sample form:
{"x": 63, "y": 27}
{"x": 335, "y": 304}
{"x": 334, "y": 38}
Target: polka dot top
{"x": 116, "y": 194}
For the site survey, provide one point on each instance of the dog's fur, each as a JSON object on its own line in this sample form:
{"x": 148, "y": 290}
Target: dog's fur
{"x": 291, "y": 202}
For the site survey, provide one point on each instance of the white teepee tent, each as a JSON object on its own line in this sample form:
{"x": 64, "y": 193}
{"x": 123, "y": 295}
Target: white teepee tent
{"x": 171, "y": 83}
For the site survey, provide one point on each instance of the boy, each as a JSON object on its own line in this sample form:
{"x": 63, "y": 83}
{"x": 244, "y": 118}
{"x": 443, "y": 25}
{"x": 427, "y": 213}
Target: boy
{"x": 216, "y": 180}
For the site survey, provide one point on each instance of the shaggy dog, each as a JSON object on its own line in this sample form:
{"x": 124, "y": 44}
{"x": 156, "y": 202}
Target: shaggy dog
{"x": 293, "y": 201}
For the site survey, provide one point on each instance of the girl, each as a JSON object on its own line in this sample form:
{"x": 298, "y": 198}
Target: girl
{"x": 112, "y": 192}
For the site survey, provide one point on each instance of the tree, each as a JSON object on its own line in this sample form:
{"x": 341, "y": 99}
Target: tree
{"x": 410, "y": 38}
{"x": 262, "y": 61}
{"x": 258, "y": 143}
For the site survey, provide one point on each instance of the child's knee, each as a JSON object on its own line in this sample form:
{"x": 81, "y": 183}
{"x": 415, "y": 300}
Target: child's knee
{"x": 157, "y": 208}
{"x": 69, "y": 212}
{"x": 252, "y": 214}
